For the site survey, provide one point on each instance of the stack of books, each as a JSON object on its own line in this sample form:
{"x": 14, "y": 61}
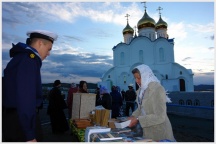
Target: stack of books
{"x": 94, "y": 129}
{"x": 121, "y": 130}
{"x": 105, "y": 137}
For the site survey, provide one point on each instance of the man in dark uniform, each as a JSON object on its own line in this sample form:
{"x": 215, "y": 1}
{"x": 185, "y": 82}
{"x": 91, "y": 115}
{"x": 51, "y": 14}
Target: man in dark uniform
{"x": 22, "y": 88}
{"x": 130, "y": 98}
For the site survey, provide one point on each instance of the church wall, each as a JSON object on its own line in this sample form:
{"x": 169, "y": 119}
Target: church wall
{"x": 164, "y": 51}
{"x": 148, "y": 32}
{"x": 146, "y": 46}
{"x": 125, "y": 78}
{"x": 182, "y": 73}
{"x": 120, "y": 55}
{"x": 170, "y": 85}
{"x": 193, "y": 104}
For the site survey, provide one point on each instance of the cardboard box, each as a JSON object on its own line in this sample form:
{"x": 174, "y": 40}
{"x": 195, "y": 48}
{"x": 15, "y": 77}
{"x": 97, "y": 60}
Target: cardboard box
{"x": 83, "y": 104}
{"x": 122, "y": 124}
{"x": 111, "y": 123}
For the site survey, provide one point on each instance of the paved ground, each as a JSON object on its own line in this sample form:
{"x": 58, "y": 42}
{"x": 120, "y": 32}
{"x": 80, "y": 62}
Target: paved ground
{"x": 185, "y": 129}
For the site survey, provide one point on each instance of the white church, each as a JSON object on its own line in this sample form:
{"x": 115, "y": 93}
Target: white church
{"x": 152, "y": 47}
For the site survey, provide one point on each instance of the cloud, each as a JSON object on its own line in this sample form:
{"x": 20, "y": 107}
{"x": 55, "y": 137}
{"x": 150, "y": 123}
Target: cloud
{"x": 7, "y": 39}
{"x": 204, "y": 78}
{"x": 79, "y": 39}
{"x": 206, "y": 28}
{"x": 211, "y": 48}
{"x": 88, "y": 64}
{"x": 69, "y": 12}
{"x": 177, "y": 31}
{"x": 186, "y": 59}
{"x": 99, "y": 33}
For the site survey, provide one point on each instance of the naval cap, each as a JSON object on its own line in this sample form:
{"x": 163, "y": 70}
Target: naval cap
{"x": 42, "y": 34}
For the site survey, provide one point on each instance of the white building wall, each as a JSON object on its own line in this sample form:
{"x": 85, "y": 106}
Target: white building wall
{"x": 167, "y": 71}
{"x": 128, "y": 38}
{"x": 170, "y": 84}
{"x": 162, "y": 33}
{"x": 148, "y": 32}
{"x": 167, "y": 51}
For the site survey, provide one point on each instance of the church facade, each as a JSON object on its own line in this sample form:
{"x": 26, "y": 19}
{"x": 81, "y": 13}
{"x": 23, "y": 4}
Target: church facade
{"x": 152, "y": 47}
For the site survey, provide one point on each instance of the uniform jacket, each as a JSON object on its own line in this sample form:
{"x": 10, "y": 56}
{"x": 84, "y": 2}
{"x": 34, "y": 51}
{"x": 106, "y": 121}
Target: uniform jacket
{"x": 22, "y": 86}
{"x": 155, "y": 122}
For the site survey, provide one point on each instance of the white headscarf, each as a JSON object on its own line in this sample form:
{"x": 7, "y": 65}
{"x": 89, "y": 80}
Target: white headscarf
{"x": 147, "y": 76}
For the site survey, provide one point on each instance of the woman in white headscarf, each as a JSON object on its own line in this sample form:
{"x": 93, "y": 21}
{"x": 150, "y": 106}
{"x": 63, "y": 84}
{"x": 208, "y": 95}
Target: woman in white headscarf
{"x": 151, "y": 111}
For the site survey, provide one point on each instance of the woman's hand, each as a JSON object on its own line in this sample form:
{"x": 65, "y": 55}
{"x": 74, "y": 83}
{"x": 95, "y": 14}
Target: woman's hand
{"x": 34, "y": 140}
{"x": 133, "y": 122}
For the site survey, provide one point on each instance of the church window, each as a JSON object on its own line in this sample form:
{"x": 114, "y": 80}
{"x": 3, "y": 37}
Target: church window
{"x": 180, "y": 72}
{"x": 140, "y": 55}
{"x": 196, "y": 102}
{"x": 161, "y": 54}
{"x": 108, "y": 76}
{"x": 166, "y": 76}
{"x": 181, "y": 102}
{"x": 122, "y": 58}
{"x": 124, "y": 79}
{"x": 188, "y": 102}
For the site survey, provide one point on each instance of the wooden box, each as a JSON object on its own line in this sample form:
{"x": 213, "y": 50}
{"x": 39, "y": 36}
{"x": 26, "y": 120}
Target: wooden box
{"x": 83, "y": 103}
{"x": 111, "y": 123}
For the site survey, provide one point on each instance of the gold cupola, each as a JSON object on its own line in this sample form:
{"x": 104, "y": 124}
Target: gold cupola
{"x": 146, "y": 21}
{"x": 128, "y": 29}
{"x": 161, "y": 23}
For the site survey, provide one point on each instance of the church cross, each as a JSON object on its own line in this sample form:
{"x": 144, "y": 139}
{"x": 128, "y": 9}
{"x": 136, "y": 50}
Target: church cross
{"x": 159, "y": 9}
{"x": 127, "y": 15}
{"x": 144, "y": 5}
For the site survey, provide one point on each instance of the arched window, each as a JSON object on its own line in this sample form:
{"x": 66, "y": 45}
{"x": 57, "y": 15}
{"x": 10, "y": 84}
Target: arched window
{"x": 122, "y": 58}
{"x": 140, "y": 55}
{"x": 161, "y": 54}
{"x": 189, "y": 102}
{"x": 196, "y": 102}
{"x": 180, "y": 72}
{"x": 124, "y": 79}
{"x": 181, "y": 102}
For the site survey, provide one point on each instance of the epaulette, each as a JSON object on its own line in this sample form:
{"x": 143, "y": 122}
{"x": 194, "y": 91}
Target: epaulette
{"x": 32, "y": 55}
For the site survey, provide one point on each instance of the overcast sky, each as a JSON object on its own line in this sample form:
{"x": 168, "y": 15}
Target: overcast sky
{"x": 89, "y": 30}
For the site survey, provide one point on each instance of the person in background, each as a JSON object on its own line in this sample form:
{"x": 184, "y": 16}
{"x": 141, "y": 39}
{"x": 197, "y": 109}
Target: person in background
{"x": 73, "y": 89}
{"x": 97, "y": 92}
{"x": 56, "y": 108}
{"x": 105, "y": 98}
{"x": 123, "y": 95}
{"x": 116, "y": 102}
{"x": 82, "y": 87}
{"x": 151, "y": 112}
{"x": 23, "y": 89}
{"x": 130, "y": 97}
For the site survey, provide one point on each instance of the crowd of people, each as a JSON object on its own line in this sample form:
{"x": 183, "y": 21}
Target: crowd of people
{"x": 22, "y": 96}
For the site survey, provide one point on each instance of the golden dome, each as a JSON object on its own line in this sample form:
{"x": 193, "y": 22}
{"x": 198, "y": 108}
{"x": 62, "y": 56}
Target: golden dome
{"x": 127, "y": 30}
{"x": 161, "y": 24}
{"x": 146, "y": 21}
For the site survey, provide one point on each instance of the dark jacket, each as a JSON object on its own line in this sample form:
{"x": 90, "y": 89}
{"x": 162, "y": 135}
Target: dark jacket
{"x": 116, "y": 103}
{"x": 22, "y": 86}
{"x": 130, "y": 95}
{"x": 56, "y": 101}
{"x": 105, "y": 101}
